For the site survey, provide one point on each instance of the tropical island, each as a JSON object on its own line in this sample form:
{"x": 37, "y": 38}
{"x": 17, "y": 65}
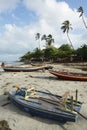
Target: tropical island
{"x": 64, "y": 53}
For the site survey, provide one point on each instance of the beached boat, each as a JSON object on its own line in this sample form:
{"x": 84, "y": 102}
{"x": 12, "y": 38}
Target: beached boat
{"x": 46, "y": 67}
{"x": 45, "y": 104}
{"x": 66, "y": 75}
{"x": 22, "y": 68}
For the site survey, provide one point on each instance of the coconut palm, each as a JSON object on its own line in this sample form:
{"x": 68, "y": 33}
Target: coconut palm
{"x": 43, "y": 37}
{"x": 38, "y": 38}
{"x": 80, "y": 10}
{"x": 49, "y": 39}
{"x": 66, "y": 26}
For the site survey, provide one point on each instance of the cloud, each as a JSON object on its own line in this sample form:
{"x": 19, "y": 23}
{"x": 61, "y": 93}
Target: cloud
{"x": 4, "y": 6}
{"x": 50, "y": 15}
{"x": 16, "y": 39}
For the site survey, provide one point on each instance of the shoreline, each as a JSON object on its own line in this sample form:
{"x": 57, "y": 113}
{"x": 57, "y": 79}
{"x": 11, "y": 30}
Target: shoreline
{"x": 19, "y": 120}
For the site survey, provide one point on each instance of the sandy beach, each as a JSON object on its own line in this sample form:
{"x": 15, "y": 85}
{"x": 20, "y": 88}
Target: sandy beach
{"x": 19, "y": 120}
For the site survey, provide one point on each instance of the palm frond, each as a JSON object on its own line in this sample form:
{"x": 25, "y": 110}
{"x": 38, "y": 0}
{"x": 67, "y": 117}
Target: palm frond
{"x": 80, "y": 10}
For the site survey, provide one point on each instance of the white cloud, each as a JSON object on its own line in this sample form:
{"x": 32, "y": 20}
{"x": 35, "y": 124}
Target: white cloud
{"x": 8, "y": 5}
{"x": 16, "y": 39}
{"x": 51, "y": 14}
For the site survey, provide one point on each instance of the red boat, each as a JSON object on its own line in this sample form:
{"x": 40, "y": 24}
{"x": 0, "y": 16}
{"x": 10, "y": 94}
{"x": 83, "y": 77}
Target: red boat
{"x": 70, "y": 75}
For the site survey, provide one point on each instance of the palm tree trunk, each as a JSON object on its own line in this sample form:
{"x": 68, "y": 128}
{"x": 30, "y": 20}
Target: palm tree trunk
{"x": 70, "y": 41}
{"x": 39, "y": 43}
{"x": 84, "y": 22}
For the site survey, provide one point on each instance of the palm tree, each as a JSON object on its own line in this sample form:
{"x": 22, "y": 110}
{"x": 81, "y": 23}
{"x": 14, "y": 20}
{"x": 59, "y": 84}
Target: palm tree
{"x": 65, "y": 27}
{"x": 38, "y": 38}
{"x": 43, "y": 37}
{"x": 49, "y": 39}
{"x": 80, "y": 10}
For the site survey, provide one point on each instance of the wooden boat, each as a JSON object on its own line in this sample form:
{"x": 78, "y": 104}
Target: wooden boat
{"x": 45, "y": 104}
{"x": 70, "y": 75}
{"x": 46, "y": 67}
{"x": 22, "y": 68}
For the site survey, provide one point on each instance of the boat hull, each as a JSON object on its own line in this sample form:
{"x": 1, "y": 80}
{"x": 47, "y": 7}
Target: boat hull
{"x": 69, "y": 76}
{"x": 22, "y": 69}
{"x": 43, "y": 114}
{"x": 40, "y": 111}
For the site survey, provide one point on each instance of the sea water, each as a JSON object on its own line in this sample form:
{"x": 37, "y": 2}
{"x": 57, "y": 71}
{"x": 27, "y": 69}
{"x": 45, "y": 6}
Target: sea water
{"x": 9, "y": 63}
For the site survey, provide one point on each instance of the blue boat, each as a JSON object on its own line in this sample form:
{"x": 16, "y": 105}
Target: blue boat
{"x": 24, "y": 69}
{"x": 45, "y": 104}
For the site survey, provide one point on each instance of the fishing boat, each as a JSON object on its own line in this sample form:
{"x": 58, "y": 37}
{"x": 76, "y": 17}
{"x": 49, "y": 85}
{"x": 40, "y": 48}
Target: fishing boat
{"x": 46, "y": 67}
{"x": 22, "y": 68}
{"x": 67, "y": 75}
{"x": 45, "y": 104}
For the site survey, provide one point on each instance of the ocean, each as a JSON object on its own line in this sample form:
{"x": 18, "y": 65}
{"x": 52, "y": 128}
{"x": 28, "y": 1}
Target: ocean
{"x": 15, "y": 63}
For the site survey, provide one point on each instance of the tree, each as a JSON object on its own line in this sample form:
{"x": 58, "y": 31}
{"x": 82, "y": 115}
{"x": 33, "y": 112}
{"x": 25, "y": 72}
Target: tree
{"x": 66, "y": 47}
{"x": 49, "y": 39}
{"x": 66, "y": 26}
{"x": 49, "y": 53}
{"x": 38, "y": 38}
{"x": 65, "y": 50}
{"x": 43, "y": 37}
{"x": 26, "y": 56}
{"x": 38, "y": 54}
{"x": 80, "y": 10}
{"x": 82, "y": 52}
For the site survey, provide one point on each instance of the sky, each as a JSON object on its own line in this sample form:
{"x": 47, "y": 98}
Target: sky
{"x": 21, "y": 20}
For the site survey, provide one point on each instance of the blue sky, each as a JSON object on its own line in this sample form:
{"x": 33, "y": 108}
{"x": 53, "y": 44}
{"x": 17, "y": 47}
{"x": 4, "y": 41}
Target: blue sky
{"x": 76, "y": 3}
{"x": 20, "y": 20}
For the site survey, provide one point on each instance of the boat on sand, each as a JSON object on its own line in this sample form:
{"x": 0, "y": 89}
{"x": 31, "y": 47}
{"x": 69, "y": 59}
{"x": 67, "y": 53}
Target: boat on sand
{"x": 67, "y": 75}
{"x": 23, "y": 68}
{"x": 45, "y": 104}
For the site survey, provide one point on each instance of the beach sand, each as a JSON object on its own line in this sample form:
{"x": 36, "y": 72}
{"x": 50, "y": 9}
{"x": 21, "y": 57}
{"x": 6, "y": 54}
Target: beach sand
{"x": 19, "y": 120}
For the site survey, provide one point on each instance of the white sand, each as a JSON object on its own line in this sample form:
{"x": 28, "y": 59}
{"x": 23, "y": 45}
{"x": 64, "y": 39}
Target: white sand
{"x": 19, "y": 120}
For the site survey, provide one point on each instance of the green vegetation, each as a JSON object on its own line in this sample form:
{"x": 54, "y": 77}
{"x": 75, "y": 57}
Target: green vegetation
{"x": 61, "y": 54}
{"x": 82, "y": 52}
